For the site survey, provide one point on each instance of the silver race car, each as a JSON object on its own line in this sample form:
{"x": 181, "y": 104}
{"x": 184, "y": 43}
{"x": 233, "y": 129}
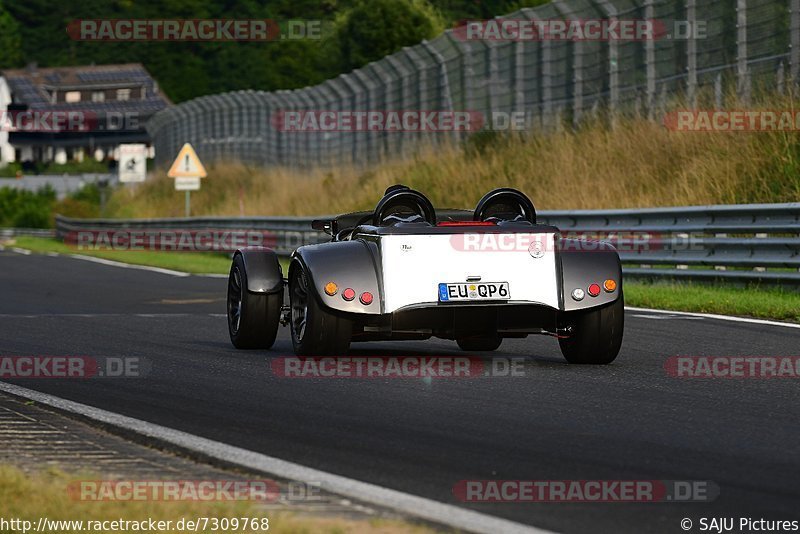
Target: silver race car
{"x": 407, "y": 271}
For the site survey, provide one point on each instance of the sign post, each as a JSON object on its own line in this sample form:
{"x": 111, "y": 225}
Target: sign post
{"x": 187, "y": 171}
{"x": 132, "y": 162}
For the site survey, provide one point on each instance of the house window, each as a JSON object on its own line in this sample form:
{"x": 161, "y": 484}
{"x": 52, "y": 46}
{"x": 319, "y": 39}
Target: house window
{"x": 98, "y": 96}
{"x": 70, "y": 97}
{"x": 123, "y": 94}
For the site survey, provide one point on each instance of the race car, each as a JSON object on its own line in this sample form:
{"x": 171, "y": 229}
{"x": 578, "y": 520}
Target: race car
{"x": 407, "y": 271}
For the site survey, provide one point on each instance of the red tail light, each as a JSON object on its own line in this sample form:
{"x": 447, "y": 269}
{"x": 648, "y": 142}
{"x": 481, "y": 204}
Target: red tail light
{"x": 349, "y": 294}
{"x": 366, "y": 298}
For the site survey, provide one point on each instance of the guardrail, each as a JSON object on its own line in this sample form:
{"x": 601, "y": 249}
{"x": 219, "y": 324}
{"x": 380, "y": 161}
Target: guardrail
{"x": 751, "y": 242}
{"x": 8, "y": 233}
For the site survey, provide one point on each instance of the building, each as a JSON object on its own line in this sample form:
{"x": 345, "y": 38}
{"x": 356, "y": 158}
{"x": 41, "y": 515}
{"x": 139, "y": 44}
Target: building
{"x": 69, "y": 113}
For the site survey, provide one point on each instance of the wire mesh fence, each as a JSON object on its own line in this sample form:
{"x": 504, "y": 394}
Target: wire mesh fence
{"x": 703, "y": 53}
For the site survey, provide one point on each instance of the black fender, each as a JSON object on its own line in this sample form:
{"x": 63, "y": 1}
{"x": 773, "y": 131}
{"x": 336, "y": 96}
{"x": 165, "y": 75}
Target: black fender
{"x": 264, "y": 273}
{"x": 584, "y": 263}
{"x": 352, "y": 264}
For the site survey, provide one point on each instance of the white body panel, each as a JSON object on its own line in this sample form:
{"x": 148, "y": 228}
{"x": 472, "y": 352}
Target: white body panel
{"x": 414, "y": 265}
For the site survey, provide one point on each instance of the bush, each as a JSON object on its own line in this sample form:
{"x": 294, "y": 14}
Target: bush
{"x": 26, "y": 209}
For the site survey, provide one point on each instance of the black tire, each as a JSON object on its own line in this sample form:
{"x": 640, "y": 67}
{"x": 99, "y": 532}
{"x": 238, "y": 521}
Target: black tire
{"x": 597, "y": 334}
{"x": 473, "y": 344}
{"x": 315, "y": 331}
{"x": 252, "y": 317}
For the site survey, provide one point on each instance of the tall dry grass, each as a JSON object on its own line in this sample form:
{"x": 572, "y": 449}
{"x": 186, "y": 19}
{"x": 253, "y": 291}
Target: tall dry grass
{"x": 637, "y": 164}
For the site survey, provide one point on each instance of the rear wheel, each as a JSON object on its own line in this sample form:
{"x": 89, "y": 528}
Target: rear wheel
{"x": 473, "y": 344}
{"x": 252, "y": 317}
{"x": 596, "y": 336}
{"x": 315, "y": 331}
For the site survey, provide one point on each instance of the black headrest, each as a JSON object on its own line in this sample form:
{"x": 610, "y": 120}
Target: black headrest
{"x": 506, "y": 204}
{"x": 402, "y": 201}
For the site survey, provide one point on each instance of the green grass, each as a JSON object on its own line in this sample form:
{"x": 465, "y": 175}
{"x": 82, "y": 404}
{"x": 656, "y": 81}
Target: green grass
{"x": 190, "y": 262}
{"x": 32, "y": 496}
{"x": 764, "y": 303}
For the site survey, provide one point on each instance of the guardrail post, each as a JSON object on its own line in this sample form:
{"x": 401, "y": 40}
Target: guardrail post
{"x": 385, "y": 85}
{"x": 445, "y": 96}
{"x": 794, "y": 51}
{"x": 650, "y": 62}
{"x": 577, "y": 63}
{"x": 421, "y": 69}
{"x": 742, "y": 74}
{"x": 519, "y": 73}
{"x": 402, "y": 76}
{"x": 691, "y": 54}
{"x": 613, "y": 63}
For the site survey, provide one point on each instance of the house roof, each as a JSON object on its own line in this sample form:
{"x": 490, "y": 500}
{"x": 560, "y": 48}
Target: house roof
{"x": 31, "y": 86}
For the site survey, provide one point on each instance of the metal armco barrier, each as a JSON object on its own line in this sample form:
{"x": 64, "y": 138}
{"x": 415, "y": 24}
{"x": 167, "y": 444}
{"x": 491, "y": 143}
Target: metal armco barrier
{"x": 9, "y": 233}
{"x": 752, "y": 242}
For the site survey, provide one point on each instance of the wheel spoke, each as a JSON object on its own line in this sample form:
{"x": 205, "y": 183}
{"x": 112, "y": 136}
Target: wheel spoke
{"x": 299, "y": 303}
{"x": 235, "y": 300}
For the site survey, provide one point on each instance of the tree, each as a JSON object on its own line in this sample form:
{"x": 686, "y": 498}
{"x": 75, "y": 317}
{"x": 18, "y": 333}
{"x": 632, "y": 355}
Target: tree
{"x": 373, "y": 29}
{"x": 10, "y": 40}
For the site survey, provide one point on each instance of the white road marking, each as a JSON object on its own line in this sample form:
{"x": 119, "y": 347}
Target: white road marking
{"x": 666, "y": 317}
{"x": 714, "y": 316}
{"x": 21, "y": 251}
{"x": 445, "y": 514}
{"x": 128, "y": 265}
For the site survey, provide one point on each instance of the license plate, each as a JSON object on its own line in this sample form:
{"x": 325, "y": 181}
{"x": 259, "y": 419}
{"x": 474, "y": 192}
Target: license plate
{"x": 473, "y": 291}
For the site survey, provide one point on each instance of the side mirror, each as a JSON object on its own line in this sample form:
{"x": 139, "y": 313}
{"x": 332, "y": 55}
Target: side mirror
{"x": 323, "y": 226}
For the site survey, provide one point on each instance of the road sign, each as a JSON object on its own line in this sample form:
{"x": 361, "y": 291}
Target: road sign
{"x": 132, "y": 162}
{"x": 187, "y": 171}
{"x": 187, "y": 183}
{"x": 187, "y": 164}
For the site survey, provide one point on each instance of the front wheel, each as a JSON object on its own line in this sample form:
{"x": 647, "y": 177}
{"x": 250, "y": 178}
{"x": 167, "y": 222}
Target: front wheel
{"x": 596, "y": 336}
{"x": 252, "y": 317}
{"x": 315, "y": 331}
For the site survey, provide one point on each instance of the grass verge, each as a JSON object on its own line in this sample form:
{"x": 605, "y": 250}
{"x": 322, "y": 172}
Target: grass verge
{"x": 763, "y": 303}
{"x": 44, "y": 495}
{"x": 190, "y": 262}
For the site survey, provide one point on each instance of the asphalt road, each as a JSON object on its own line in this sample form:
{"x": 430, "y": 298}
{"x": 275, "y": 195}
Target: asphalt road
{"x": 629, "y": 420}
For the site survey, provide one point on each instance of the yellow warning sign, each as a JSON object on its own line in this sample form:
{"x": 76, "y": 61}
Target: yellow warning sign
{"x": 187, "y": 164}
